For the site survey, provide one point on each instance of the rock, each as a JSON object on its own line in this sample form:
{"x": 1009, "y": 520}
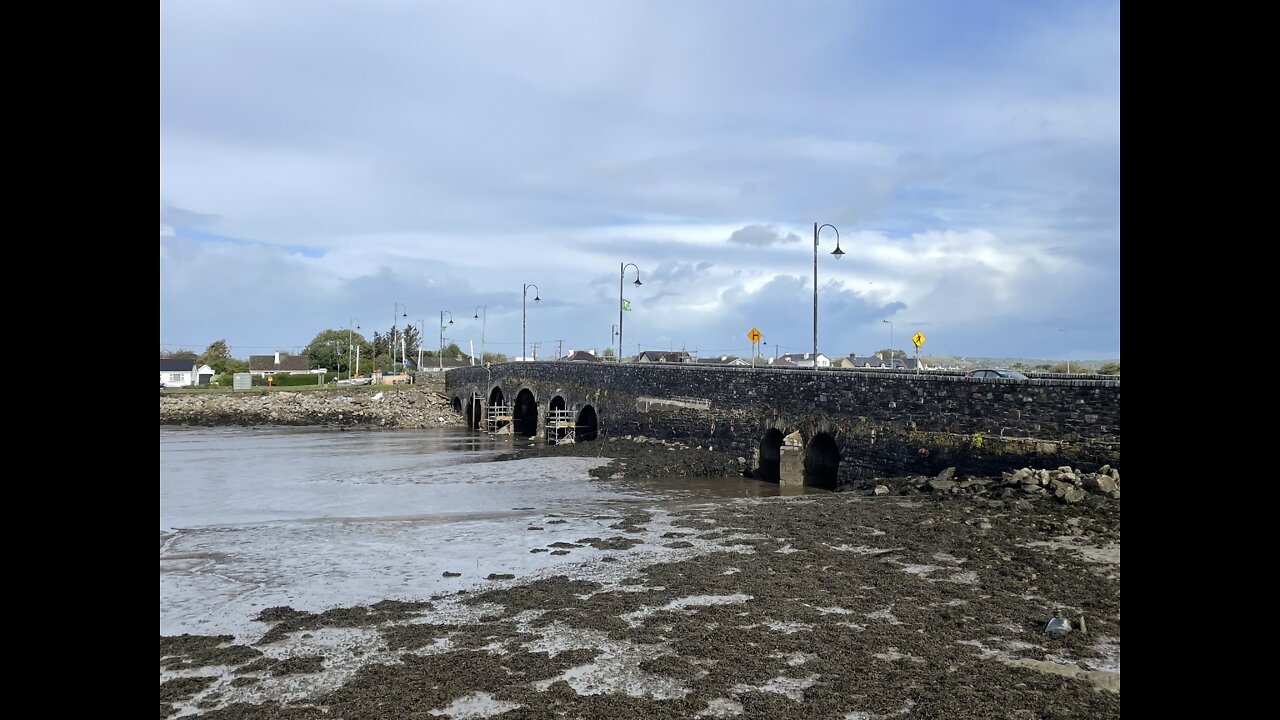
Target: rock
{"x": 500, "y": 576}
{"x": 1058, "y": 626}
{"x": 446, "y": 573}
{"x": 1080, "y": 624}
{"x": 1099, "y": 483}
{"x": 881, "y": 490}
{"x": 942, "y": 485}
{"x": 1104, "y": 470}
{"x": 984, "y": 525}
{"x": 1020, "y": 505}
{"x": 995, "y": 504}
{"x": 1074, "y": 495}
{"x": 1115, "y": 475}
{"x": 945, "y": 475}
{"x": 742, "y": 460}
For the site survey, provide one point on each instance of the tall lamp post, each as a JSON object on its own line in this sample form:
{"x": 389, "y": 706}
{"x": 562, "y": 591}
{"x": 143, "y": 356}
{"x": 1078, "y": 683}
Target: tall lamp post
{"x": 392, "y": 347}
{"x": 482, "y": 314}
{"x": 441, "y": 356}
{"x": 613, "y": 335}
{"x": 524, "y": 312}
{"x": 1066, "y": 346}
{"x": 838, "y": 253}
{"x": 351, "y": 342}
{"x": 890, "y": 342}
{"x": 422, "y": 332}
{"x": 622, "y": 274}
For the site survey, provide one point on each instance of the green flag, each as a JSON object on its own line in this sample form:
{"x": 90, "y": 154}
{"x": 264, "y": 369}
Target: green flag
{"x": 626, "y": 304}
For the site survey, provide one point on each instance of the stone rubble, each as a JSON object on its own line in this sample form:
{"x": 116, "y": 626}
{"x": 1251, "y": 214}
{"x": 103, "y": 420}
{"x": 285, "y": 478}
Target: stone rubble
{"x": 353, "y": 407}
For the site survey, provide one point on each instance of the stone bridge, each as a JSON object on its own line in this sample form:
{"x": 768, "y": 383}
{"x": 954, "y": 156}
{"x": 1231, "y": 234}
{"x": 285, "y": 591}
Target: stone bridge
{"x": 832, "y": 428}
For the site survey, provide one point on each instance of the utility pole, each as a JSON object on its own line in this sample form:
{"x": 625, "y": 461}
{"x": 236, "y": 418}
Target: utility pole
{"x": 535, "y": 350}
{"x": 560, "y": 349}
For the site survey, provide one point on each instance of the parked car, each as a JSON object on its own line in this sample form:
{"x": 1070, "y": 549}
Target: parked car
{"x": 996, "y": 373}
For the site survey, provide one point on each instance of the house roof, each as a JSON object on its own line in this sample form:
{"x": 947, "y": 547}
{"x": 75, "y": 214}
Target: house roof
{"x": 721, "y": 360}
{"x": 176, "y": 365}
{"x": 782, "y": 362}
{"x": 671, "y": 356}
{"x": 796, "y": 357}
{"x": 580, "y": 356}
{"x": 288, "y": 363}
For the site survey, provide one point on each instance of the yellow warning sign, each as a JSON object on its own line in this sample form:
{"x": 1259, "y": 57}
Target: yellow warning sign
{"x": 918, "y": 339}
{"x": 754, "y": 335}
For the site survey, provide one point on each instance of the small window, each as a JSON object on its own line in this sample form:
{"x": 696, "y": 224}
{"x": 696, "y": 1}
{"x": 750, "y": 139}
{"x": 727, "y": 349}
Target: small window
{"x": 175, "y": 377}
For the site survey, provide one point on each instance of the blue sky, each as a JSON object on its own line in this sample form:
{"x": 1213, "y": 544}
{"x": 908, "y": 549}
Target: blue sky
{"x": 321, "y": 161}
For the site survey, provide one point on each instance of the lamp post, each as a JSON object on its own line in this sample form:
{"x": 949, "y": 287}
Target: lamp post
{"x": 524, "y": 312}
{"x": 613, "y": 334}
{"x": 622, "y": 274}
{"x": 350, "y": 341}
{"x": 422, "y": 332}
{"x": 890, "y": 342}
{"x": 442, "y": 314}
{"x": 391, "y": 354}
{"x": 482, "y": 314}
{"x": 838, "y": 253}
{"x": 1066, "y": 346}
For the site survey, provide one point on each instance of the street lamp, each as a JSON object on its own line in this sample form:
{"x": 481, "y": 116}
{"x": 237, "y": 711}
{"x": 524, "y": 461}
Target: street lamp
{"x": 392, "y": 349}
{"x": 350, "y": 342}
{"x": 524, "y": 311}
{"x": 890, "y": 342}
{"x": 422, "y": 332}
{"x": 442, "y": 314}
{"x": 484, "y": 320}
{"x": 1066, "y": 346}
{"x": 622, "y": 274}
{"x": 613, "y": 333}
{"x": 838, "y": 253}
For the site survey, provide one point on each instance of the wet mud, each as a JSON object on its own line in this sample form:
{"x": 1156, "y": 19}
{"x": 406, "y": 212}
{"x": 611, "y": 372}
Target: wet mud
{"x": 821, "y": 606}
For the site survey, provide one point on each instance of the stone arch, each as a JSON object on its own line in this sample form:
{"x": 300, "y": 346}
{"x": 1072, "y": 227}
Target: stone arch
{"x": 524, "y": 414}
{"x": 588, "y": 424}
{"x": 457, "y": 404}
{"x": 822, "y": 462}
{"x": 770, "y": 456}
{"x": 474, "y": 417}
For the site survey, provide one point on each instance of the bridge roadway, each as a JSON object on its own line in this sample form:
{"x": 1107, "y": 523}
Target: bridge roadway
{"x": 830, "y": 428}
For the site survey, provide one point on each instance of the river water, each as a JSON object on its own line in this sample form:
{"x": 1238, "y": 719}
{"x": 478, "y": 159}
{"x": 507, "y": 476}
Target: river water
{"x": 314, "y": 518}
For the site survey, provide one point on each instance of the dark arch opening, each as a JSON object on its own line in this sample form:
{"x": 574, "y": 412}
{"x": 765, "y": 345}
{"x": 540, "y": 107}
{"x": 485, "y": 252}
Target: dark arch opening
{"x": 469, "y": 415}
{"x": 588, "y": 425}
{"x": 557, "y": 403}
{"x": 457, "y": 404}
{"x": 525, "y": 414}
{"x": 495, "y": 398}
{"x": 473, "y": 414}
{"x": 770, "y": 456}
{"x": 822, "y": 462}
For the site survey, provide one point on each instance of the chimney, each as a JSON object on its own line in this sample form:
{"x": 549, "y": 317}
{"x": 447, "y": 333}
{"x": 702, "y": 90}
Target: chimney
{"x": 277, "y": 358}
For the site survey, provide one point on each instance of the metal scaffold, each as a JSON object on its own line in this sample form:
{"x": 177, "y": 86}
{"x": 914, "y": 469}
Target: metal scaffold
{"x": 560, "y": 428}
{"x": 499, "y": 417}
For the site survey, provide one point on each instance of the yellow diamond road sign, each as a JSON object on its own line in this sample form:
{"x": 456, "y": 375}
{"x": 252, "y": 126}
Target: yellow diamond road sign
{"x": 918, "y": 339}
{"x": 754, "y": 335}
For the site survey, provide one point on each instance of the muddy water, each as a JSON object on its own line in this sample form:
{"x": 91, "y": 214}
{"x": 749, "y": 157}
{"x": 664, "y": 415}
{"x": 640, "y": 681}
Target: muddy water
{"x": 252, "y": 518}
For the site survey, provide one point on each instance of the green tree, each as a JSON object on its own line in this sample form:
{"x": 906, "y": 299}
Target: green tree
{"x": 216, "y": 356}
{"x": 608, "y": 352}
{"x": 495, "y": 358}
{"x": 329, "y": 349}
{"x": 886, "y": 353}
{"x": 178, "y": 354}
{"x": 1110, "y": 369}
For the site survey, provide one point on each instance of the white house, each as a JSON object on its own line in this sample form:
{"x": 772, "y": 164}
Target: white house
{"x": 176, "y": 372}
{"x": 806, "y": 359}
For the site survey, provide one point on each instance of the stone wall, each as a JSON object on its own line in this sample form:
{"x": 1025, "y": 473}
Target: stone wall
{"x": 881, "y": 423}
{"x": 409, "y": 407}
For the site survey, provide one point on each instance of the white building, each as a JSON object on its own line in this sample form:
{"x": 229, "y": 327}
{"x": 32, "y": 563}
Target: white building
{"x": 806, "y": 360}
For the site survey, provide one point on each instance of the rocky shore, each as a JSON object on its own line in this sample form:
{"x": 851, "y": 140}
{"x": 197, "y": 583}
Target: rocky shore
{"x": 934, "y": 597}
{"x": 405, "y": 407}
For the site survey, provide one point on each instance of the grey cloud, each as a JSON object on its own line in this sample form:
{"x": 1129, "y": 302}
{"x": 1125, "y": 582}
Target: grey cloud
{"x": 761, "y": 236}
